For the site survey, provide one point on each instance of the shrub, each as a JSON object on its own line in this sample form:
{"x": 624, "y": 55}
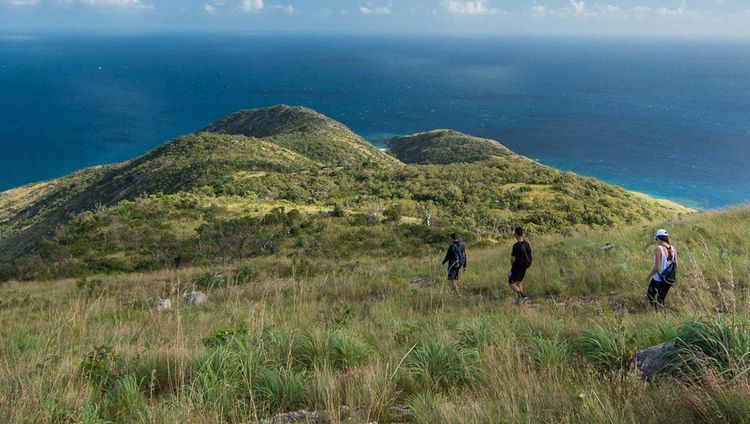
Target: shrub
{"x": 552, "y": 352}
{"x": 476, "y": 335}
{"x": 392, "y": 214}
{"x": 425, "y": 407}
{"x": 246, "y": 274}
{"x": 101, "y": 365}
{"x": 211, "y": 280}
{"x": 280, "y": 389}
{"x": 125, "y": 402}
{"x": 338, "y": 212}
{"x": 442, "y": 365}
{"x": 334, "y": 349}
{"x": 722, "y": 345}
{"x": 340, "y": 314}
{"x": 90, "y": 414}
{"x": 606, "y": 350}
{"x": 223, "y": 377}
{"x": 159, "y": 373}
{"x": 224, "y": 335}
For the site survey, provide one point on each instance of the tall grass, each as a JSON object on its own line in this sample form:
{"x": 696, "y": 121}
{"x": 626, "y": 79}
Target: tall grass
{"x": 281, "y": 389}
{"x": 722, "y": 345}
{"x": 126, "y": 402}
{"x": 440, "y": 366}
{"x": 397, "y": 351}
{"x": 715, "y": 400}
{"x": 607, "y": 350}
{"x": 554, "y": 352}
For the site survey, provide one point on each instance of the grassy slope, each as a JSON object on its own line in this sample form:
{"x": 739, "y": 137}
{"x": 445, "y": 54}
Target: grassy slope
{"x": 184, "y": 164}
{"x": 305, "y": 131}
{"x": 528, "y": 365}
{"x": 253, "y": 160}
{"x": 445, "y": 146}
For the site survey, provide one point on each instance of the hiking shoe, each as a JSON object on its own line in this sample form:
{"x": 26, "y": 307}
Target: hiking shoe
{"x": 525, "y": 299}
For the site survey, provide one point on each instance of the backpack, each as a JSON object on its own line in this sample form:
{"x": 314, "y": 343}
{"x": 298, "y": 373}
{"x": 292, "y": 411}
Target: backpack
{"x": 669, "y": 275}
{"x": 527, "y": 251}
{"x": 526, "y": 258}
{"x": 461, "y": 255}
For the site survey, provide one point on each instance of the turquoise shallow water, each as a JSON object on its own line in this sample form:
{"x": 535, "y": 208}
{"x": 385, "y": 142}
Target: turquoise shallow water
{"x": 671, "y": 118}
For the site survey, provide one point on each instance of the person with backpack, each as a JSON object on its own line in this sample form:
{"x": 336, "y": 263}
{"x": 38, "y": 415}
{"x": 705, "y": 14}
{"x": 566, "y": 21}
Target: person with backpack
{"x": 664, "y": 273}
{"x": 520, "y": 259}
{"x": 456, "y": 259}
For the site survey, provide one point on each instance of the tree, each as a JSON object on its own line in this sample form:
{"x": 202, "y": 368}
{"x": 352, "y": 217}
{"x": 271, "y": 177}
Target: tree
{"x": 427, "y": 212}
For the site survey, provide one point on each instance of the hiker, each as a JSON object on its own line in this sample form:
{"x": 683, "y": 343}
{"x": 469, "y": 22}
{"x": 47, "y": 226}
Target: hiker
{"x": 520, "y": 259}
{"x": 456, "y": 259}
{"x": 663, "y": 274}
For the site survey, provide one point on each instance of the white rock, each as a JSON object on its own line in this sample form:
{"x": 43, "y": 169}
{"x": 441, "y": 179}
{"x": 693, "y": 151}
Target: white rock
{"x": 159, "y": 304}
{"x": 195, "y": 298}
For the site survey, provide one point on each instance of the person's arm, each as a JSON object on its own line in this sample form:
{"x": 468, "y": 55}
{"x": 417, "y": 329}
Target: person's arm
{"x": 657, "y": 262}
{"x": 466, "y": 259}
{"x": 447, "y": 256}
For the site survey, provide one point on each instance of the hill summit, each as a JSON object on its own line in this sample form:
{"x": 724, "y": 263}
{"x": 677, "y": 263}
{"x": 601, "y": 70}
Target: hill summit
{"x": 443, "y": 147}
{"x": 304, "y": 131}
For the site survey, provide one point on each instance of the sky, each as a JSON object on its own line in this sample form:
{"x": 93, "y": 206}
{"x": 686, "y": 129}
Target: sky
{"x": 637, "y": 18}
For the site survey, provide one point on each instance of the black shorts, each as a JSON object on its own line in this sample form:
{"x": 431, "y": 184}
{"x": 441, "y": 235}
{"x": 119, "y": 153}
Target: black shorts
{"x": 516, "y": 275}
{"x": 453, "y": 273}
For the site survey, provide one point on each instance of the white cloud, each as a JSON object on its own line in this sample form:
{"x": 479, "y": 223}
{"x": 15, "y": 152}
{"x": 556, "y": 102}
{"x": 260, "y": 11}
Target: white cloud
{"x": 665, "y": 12}
{"x": 251, "y": 6}
{"x": 286, "y": 8}
{"x": 609, "y": 9}
{"x": 112, "y": 4}
{"x": 460, "y": 7}
{"x": 578, "y": 8}
{"x": 20, "y": 2}
{"x": 539, "y": 11}
{"x": 211, "y": 9}
{"x": 370, "y": 9}
{"x": 216, "y": 7}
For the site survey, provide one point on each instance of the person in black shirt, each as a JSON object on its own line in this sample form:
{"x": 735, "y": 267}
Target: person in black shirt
{"x": 456, "y": 259}
{"x": 520, "y": 259}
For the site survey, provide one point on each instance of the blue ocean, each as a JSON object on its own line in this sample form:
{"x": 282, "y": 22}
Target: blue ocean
{"x": 669, "y": 118}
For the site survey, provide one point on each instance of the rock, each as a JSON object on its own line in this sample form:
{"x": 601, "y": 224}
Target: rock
{"x": 160, "y": 304}
{"x": 299, "y": 417}
{"x": 195, "y": 298}
{"x": 650, "y": 361}
{"x": 399, "y": 413}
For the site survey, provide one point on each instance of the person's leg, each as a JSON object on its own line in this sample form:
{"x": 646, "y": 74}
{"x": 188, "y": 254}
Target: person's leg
{"x": 517, "y": 286}
{"x": 456, "y": 290}
{"x": 663, "y": 290}
{"x": 521, "y": 294}
{"x": 666, "y": 290}
{"x": 652, "y": 293}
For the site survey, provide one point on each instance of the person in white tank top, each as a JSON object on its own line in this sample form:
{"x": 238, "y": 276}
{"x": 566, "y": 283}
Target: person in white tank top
{"x": 664, "y": 255}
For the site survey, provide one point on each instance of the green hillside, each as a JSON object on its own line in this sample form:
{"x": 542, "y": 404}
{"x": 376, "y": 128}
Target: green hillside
{"x": 186, "y": 164}
{"x": 290, "y": 181}
{"x": 445, "y": 146}
{"x": 304, "y": 131}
